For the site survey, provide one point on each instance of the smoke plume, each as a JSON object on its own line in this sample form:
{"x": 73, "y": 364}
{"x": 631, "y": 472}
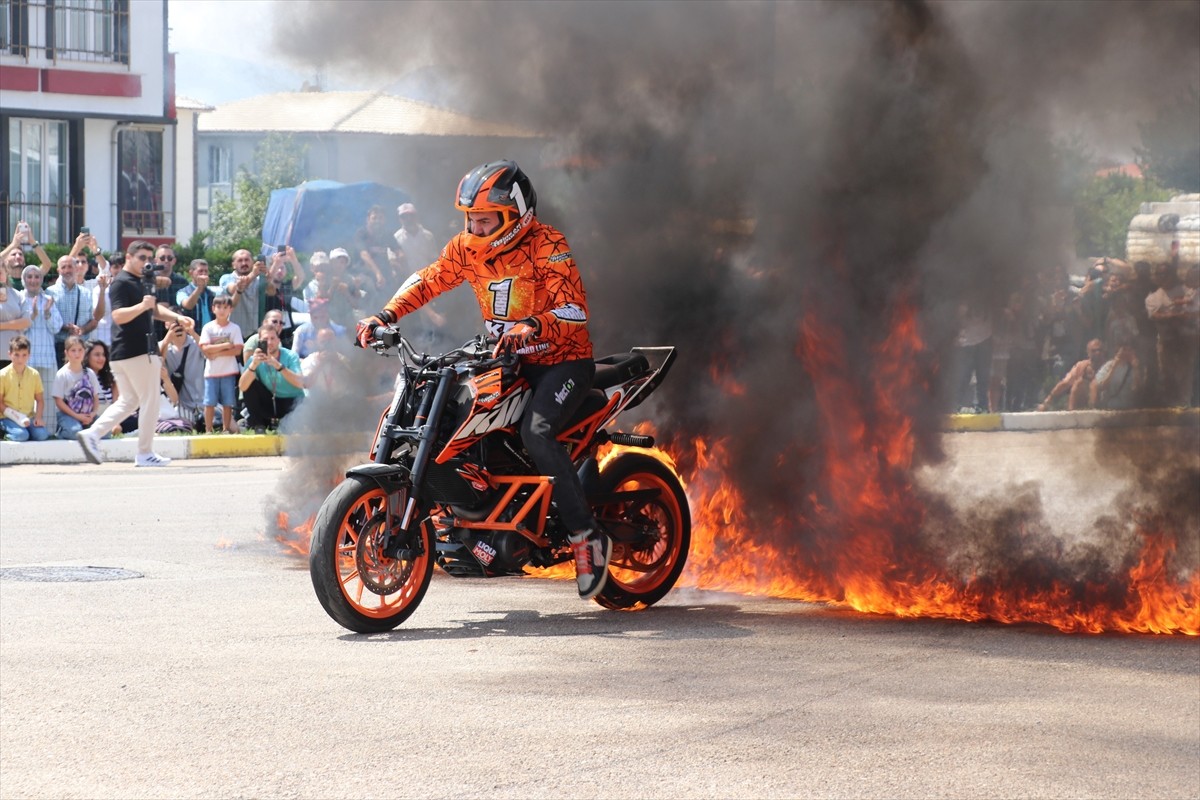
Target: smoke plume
{"x": 769, "y": 186}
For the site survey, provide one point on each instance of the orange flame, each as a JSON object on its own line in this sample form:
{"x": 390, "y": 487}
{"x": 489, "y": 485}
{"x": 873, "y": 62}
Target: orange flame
{"x": 865, "y": 494}
{"x": 295, "y": 540}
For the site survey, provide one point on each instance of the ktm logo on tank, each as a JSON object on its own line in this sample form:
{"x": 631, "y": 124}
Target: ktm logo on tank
{"x": 503, "y": 416}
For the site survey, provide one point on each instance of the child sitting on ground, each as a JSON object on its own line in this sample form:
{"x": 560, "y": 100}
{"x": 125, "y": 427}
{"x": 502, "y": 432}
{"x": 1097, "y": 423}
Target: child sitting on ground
{"x": 221, "y": 343}
{"x": 76, "y": 391}
{"x": 21, "y": 396}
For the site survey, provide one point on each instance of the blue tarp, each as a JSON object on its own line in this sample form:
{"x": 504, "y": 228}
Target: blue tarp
{"x": 322, "y": 215}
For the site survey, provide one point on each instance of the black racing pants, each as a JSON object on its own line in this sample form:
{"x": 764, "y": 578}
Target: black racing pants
{"x": 558, "y": 391}
{"x": 265, "y": 408}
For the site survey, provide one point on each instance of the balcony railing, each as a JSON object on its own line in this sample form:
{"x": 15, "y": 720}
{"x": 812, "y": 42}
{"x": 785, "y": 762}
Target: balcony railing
{"x": 147, "y": 223}
{"x": 66, "y": 30}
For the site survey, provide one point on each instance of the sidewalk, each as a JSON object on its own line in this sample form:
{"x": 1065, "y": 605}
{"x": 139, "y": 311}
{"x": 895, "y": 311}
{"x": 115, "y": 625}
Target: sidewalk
{"x": 61, "y": 451}
{"x": 1062, "y": 420}
{"x": 58, "y": 451}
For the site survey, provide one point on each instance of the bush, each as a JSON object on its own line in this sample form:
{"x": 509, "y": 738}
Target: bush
{"x": 1103, "y": 208}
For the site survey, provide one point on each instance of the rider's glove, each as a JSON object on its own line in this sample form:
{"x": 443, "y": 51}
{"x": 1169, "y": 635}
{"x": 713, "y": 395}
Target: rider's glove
{"x": 516, "y": 338}
{"x": 364, "y": 334}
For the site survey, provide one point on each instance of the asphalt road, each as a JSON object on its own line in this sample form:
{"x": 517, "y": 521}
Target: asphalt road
{"x": 217, "y": 674}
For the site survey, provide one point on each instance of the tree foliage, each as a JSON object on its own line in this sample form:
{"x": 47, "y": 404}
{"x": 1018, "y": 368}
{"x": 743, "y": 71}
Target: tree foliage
{"x": 1104, "y": 205}
{"x": 278, "y": 162}
{"x": 1170, "y": 151}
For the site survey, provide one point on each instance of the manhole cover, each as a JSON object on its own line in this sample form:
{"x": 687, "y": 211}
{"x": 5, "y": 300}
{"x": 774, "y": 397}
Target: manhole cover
{"x": 66, "y": 574}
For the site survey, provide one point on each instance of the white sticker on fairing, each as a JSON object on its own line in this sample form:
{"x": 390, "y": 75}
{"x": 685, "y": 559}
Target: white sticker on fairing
{"x": 504, "y": 415}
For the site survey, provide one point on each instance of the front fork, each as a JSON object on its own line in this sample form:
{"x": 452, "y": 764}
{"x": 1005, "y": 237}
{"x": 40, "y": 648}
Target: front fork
{"x": 403, "y": 504}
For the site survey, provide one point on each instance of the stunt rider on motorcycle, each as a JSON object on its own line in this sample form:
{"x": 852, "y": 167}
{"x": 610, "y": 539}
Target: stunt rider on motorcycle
{"x": 532, "y": 298}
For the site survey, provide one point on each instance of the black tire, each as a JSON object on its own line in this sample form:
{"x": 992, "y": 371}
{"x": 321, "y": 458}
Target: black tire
{"x": 638, "y": 577}
{"x": 358, "y": 587}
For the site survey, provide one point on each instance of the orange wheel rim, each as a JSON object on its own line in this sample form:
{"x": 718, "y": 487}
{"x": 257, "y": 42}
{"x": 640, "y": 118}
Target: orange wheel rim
{"x": 643, "y": 569}
{"x": 374, "y": 585}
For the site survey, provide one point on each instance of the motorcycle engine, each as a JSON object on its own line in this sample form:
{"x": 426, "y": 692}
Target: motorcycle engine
{"x": 498, "y": 552}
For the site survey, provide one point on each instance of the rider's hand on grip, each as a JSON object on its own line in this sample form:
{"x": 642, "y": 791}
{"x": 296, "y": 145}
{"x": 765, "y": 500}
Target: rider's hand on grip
{"x": 364, "y": 334}
{"x": 515, "y": 338}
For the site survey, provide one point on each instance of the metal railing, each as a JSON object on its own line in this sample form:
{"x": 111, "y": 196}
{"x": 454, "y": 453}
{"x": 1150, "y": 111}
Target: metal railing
{"x": 147, "y": 223}
{"x": 50, "y": 218}
{"x": 66, "y": 30}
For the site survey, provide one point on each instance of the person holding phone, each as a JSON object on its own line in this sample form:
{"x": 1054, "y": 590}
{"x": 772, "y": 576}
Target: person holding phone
{"x": 13, "y": 255}
{"x": 272, "y": 383}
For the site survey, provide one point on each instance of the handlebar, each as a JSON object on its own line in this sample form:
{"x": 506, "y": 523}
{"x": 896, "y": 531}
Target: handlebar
{"x": 388, "y": 337}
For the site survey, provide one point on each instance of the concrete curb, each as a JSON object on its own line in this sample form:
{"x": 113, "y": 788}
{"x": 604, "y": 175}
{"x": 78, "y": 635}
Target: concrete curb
{"x": 1065, "y": 420}
{"x": 58, "y": 451}
{"x": 124, "y": 449}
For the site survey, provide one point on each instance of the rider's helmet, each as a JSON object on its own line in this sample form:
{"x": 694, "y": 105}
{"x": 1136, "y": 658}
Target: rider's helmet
{"x": 497, "y": 186}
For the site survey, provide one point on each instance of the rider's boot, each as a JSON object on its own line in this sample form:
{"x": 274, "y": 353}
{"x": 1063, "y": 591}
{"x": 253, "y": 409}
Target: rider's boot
{"x": 592, "y": 549}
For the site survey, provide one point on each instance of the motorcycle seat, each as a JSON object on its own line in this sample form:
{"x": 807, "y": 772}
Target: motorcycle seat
{"x": 616, "y": 369}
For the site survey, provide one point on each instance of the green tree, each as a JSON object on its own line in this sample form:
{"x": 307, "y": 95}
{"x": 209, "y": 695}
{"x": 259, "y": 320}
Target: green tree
{"x": 1170, "y": 151}
{"x": 1103, "y": 207}
{"x": 279, "y": 162}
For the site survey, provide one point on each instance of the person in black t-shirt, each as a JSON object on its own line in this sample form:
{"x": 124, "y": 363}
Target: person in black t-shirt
{"x": 134, "y": 359}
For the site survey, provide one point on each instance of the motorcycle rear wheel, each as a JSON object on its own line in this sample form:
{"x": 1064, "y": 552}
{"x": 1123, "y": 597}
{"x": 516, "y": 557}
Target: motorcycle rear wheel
{"x": 639, "y": 577}
{"x": 359, "y": 587}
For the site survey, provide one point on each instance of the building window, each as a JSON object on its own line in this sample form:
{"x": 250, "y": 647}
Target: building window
{"x": 67, "y": 30}
{"x": 139, "y": 182}
{"x": 37, "y": 178}
{"x": 220, "y": 164}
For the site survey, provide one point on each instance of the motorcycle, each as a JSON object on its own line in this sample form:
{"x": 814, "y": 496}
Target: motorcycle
{"x": 450, "y": 483}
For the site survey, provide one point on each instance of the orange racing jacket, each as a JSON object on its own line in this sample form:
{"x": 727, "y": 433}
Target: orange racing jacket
{"x": 536, "y": 279}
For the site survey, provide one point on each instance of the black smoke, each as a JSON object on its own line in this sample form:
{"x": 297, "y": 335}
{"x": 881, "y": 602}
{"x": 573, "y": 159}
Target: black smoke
{"x": 726, "y": 170}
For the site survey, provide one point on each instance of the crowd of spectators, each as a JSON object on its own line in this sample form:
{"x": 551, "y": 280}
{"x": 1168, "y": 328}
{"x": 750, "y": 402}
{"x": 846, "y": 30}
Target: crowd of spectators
{"x": 1125, "y": 336}
{"x": 275, "y": 328}
{"x": 272, "y": 330}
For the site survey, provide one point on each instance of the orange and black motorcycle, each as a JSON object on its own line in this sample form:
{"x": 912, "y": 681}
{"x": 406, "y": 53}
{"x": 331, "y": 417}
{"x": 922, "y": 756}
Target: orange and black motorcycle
{"x": 450, "y": 483}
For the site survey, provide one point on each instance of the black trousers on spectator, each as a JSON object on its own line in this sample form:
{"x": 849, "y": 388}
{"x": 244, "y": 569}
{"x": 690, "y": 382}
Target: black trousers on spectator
{"x": 265, "y": 408}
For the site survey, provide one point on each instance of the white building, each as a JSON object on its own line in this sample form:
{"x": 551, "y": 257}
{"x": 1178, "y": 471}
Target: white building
{"x": 358, "y": 136}
{"x": 88, "y": 122}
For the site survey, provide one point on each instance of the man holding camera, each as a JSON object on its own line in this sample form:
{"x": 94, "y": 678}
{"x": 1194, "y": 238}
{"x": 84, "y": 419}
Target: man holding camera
{"x": 135, "y": 360}
{"x": 272, "y": 383}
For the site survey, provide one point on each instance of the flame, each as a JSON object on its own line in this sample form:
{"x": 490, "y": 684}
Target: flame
{"x": 295, "y": 540}
{"x": 860, "y": 517}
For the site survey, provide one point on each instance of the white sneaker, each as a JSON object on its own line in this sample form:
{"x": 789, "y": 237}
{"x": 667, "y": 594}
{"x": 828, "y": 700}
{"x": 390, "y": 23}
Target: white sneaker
{"x": 151, "y": 460}
{"x": 91, "y": 446}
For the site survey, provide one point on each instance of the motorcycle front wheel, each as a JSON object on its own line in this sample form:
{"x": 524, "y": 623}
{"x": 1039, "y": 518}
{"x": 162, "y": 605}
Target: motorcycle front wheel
{"x": 358, "y": 586}
{"x": 642, "y": 572}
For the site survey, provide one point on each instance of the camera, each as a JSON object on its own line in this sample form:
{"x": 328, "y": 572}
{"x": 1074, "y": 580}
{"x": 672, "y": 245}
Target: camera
{"x": 1096, "y": 273}
{"x": 151, "y": 272}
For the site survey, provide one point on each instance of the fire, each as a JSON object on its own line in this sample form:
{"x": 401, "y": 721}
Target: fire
{"x": 852, "y": 533}
{"x": 295, "y": 540}
{"x": 858, "y": 523}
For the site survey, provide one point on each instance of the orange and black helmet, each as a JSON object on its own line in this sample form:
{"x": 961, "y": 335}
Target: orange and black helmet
{"x": 498, "y": 186}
